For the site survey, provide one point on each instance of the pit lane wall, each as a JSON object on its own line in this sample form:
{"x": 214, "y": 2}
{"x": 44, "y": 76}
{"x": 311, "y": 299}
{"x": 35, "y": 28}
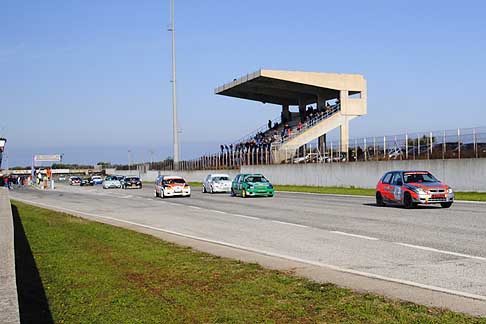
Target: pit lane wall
{"x": 462, "y": 175}
{"x": 9, "y": 307}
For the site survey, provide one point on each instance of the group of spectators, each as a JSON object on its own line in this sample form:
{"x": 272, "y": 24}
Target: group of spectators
{"x": 278, "y": 131}
{"x": 13, "y": 180}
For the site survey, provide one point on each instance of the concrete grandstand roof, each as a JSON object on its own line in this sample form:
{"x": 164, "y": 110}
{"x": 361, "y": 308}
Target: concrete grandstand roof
{"x": 287, "y": 87}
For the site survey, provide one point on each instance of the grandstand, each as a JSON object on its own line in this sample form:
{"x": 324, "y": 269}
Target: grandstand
{"x": 325, "y": 101}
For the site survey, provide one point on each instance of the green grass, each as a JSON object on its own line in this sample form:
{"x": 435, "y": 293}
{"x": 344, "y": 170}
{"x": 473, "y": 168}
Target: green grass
{"x": 471, "y": 196}
{"x": 96, "y": 273}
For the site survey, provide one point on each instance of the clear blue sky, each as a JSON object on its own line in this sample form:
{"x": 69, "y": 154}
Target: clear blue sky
{"x": 90, "y": 79}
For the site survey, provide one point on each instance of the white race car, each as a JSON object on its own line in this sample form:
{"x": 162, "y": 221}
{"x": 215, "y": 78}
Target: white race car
{"x": 111, "y": 182}
{"x": 217, "y": 183}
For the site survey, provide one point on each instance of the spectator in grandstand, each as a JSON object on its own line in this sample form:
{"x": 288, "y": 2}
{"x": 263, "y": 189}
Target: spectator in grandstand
{"x": 222, "y": 148}
{"x": 269, "y": 124}
{"x": 328, "y": 106}
{"x": 299, "y": 126}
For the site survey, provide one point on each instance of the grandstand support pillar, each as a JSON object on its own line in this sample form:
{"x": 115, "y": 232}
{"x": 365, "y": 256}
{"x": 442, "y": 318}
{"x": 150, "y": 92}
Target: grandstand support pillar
{"x": 321, "y": 103}
{"x": 285, "y": 116}
{"x": 321, "y": 143}
{"x": 302, "y": 109}
{"x": 344, "y": 130}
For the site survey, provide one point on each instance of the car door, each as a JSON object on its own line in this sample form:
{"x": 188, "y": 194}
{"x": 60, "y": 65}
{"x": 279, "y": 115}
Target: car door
{"x": 234, "y": 184}
{"x": 397, "y": 184}
{"x": 387, "y": 187}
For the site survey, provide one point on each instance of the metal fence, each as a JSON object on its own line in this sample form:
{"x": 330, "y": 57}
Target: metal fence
{"x": 445, "y": 144}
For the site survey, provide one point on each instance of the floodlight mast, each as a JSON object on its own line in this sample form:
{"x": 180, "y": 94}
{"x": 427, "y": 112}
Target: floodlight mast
{"x": 174, "y": 94}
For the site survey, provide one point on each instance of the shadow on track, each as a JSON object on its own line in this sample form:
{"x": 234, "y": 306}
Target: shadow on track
{"x": 401, "y": 207}
{"x": 33, "y": 305}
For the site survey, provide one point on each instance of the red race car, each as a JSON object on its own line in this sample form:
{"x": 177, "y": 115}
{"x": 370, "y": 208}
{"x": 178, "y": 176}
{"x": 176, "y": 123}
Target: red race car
{"x": 410, "y": 188}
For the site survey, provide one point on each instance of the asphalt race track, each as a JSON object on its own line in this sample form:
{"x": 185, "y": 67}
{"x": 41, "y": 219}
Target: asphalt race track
{"x": 429, "y": 247}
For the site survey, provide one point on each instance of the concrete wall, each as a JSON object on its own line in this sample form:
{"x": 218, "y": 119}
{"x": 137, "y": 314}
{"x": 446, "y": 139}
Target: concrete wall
{"x": 191, "y": 176}
{"x": 462, "y": 175}
{"x": 9, "y": 307}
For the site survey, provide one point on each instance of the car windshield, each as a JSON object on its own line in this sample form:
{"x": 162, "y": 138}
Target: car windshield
{"x": 174, "y": 181}
{"x": 132, "y": 179}
{"x": 75, "y": 178}
{"x": 413, "y": 177}
{"x": 256, "y": 179}
{"x": 218, "y": 179}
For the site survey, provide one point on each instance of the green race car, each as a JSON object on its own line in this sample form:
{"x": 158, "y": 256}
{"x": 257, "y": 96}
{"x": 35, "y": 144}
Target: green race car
{"x": 250, "y": 185}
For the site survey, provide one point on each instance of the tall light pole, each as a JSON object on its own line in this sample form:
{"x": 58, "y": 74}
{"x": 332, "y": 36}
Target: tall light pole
{"x": 3, "y": 141}
{"x": 174, "y": 94}
{"x": 129, "y": 166}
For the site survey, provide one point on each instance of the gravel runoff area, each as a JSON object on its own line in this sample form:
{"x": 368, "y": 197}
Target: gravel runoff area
{"x": 428, "y": 255}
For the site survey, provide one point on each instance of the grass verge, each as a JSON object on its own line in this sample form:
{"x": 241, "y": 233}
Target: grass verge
{"x": 471, "y": 196}
{"x": 96, "y": 273}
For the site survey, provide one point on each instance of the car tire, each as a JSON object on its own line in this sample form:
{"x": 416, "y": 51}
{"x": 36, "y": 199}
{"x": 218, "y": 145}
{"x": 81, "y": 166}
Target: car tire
{"x": 156, "y": 194}
{"x": 161, "y": 195}
{"x": 379, "y": 199}
{"x": 243, "y": 193}
{"x": 204, "y": 189}
{"x": 232, "y": 193}
{"x": 407, "y": 201}
{"x": 446, "y": 204}
{"x": 212, "y": 190}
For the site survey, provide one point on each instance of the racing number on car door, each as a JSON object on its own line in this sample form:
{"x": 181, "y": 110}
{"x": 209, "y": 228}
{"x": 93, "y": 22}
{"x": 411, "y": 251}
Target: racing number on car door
{"x": 397, "y": 186}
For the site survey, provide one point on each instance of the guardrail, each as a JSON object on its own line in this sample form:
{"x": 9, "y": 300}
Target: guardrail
{"x": 9, "y": 307}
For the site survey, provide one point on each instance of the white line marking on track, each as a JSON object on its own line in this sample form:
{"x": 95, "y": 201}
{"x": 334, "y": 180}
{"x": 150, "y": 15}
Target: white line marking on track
{"x": 291, "y": 224}
{"x": 217, "y": 211}
{"x": 424, "y": 248}
{"x": 194, "y": 207}
{"x": 236, "y": 246}
{"x": 244, "y": 216}
{"x": 356, "y": 235}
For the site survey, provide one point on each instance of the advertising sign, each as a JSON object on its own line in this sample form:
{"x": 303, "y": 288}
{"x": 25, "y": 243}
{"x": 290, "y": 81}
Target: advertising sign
{"x": 47, "y": 158}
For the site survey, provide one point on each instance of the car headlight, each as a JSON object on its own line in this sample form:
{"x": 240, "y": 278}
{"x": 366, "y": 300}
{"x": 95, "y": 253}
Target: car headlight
{"x": 450, "y": 190}
{"x": 420, "y": 191}
{"x": 270, "y": 186}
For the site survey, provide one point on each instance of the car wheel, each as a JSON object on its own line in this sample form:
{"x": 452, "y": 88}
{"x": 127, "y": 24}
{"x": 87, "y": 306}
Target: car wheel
{"x": 204, "y": 189}
{"x": 232, "y": 193}
{"x": 446, "y": 204}
{"x": 243, "y": 193}
{"x": 156, "y": 194}
{"x": 407, "y": 201}
{"x": 161, "y": 195}
{"x": 212, "y": 190}
{"x": 379, "y": 199}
